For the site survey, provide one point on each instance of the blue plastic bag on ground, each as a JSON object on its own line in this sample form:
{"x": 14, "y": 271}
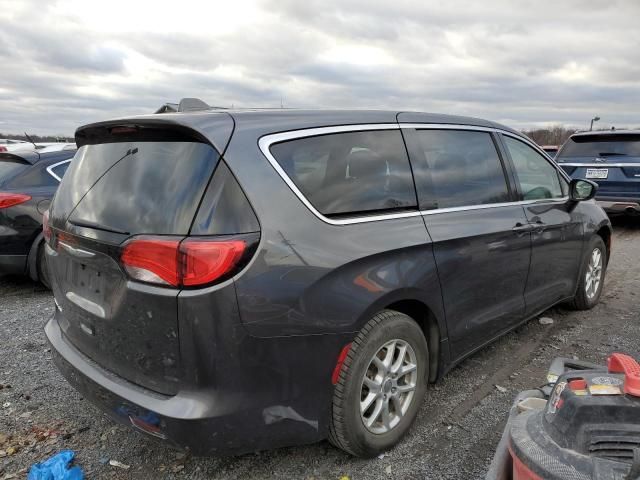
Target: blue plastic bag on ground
{"x": 56, "y": 468}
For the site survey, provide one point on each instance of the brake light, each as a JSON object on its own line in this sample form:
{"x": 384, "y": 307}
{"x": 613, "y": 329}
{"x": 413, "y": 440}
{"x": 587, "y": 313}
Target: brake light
{"x": 152, "y": 260}
{"x": 176, "y": 262}
{"x": 205, "y": 261}
{"x": 123, "y": 130}
{"x": 10, "y": 199}
{"x": 3, "y": 149}
{"x": 46, "y": 228}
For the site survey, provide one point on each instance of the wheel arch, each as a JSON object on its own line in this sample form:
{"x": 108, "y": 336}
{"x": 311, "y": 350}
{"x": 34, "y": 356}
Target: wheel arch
{"x": 605, "y": 233}
{"x": 428, "y": 323}
{"x": 32, "y": 259}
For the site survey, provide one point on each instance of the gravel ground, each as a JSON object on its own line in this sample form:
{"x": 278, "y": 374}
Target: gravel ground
{"x": 454, "y": 437}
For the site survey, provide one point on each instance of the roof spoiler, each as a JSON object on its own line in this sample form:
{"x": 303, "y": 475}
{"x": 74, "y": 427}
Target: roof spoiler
{"x": 30, "y": 157}
{"x": 185, "y": 105}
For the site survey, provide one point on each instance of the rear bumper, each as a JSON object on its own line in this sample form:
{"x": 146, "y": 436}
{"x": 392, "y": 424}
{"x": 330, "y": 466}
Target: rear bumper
{"x": 619, "y": 204}
{"x": 13, "y": 264}
{"x": 205, "y": 422}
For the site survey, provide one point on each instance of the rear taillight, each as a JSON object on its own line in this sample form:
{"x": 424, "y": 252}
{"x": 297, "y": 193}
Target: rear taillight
{"x": 152, "y": 260}
{"x": 46, "y": 228}
{"x": 176, "y": 262}
{"x": 3, "y": 149}
{"x": 205, "y": 261}
{"x": 11, "y": 199}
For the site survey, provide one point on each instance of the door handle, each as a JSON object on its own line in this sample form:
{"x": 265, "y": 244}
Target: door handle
{"x": 522, "y": 228}
{"x": 539, "y": 226}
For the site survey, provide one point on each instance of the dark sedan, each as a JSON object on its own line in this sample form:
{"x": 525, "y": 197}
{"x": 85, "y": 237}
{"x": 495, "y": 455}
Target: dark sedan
{"x": 28, "y": 181}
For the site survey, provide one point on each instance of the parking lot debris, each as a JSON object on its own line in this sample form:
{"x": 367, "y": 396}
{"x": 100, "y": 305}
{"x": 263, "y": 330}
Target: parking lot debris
{"x": 117, "y": 464}
{"x": 57, "y": 467}
{"x": 545, "y": 321}
{"x": 501, "y": 389}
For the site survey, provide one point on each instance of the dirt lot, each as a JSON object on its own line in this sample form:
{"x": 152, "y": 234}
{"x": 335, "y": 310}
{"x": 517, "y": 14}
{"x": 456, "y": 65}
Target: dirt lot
{"x": 457, "y": 430}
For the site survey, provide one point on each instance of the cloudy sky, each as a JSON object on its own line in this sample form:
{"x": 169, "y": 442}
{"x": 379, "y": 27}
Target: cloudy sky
{"x": 523, "y": 63}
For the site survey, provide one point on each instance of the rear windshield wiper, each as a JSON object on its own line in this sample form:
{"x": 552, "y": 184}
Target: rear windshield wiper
{"x": 612, "y": 154}
{"x": 97, "y": 226}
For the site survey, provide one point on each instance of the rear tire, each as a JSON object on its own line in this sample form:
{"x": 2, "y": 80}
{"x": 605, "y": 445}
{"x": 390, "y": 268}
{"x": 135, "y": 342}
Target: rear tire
{"x": 594, "y": 267}
{"x": 41, "y": 266}
{"x": 389, "y": 398}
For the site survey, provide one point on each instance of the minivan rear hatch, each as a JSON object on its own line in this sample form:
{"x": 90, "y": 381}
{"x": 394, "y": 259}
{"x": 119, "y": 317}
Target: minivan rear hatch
{"x": 125, "y": 181}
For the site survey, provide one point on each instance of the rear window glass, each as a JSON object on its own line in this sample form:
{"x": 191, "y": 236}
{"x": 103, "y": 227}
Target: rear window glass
{"x": 37, "y": 176}
{"x": 136, "y": 187}
{"x": 9, "y": 170}
{"x": 602, "y": 146}
{"x": 352, "y": 172}
{"x": 458, "y": 168}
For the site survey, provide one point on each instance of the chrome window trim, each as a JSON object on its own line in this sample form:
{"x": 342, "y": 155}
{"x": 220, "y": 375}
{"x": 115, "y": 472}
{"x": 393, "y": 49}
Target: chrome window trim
{"x": 436, "y": 211}
{"x": 599, "y": 165}
{"x": 539, "y": 149}
{"x": 51, "y": 167}
{"x": 265, "y": 142}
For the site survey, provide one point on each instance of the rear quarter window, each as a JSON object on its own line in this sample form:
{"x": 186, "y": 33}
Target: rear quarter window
{"x": 350, "y": 173}
{"x": 58, "y": 170}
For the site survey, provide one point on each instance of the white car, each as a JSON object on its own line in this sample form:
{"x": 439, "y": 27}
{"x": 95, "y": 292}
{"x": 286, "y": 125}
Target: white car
{"x": 10, "y": 146}
{"x": 55, "y": 147}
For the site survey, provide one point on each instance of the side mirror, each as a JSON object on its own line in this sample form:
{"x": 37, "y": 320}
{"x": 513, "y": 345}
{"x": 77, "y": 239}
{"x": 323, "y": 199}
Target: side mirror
{"x": 580, "y": 190}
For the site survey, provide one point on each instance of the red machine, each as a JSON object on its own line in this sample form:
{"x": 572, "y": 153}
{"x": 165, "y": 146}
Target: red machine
{"x": 588, "y": 429}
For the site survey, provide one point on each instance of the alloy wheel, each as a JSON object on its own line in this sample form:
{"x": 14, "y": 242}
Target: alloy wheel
{"x": 593, "y": 276}
{"x": 388, "y": 386}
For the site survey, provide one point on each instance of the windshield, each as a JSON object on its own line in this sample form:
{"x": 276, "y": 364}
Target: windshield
{"x": 602, "y": 145}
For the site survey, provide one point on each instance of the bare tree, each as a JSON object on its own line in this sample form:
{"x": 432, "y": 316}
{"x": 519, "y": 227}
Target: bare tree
{"x": 555, "y": 135}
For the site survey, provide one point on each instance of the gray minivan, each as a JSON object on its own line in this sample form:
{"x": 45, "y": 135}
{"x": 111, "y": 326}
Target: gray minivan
{"x": 230, "y": 281}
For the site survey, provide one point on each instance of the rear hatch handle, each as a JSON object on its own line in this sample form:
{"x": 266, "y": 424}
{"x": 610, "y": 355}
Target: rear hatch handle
{"x": 75, "y": 251}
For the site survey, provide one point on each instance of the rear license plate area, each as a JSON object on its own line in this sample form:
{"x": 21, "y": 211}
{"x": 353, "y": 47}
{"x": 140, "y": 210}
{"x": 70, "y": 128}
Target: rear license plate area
{"x": 597, "y": 173}
{"x": 86, "y": 280}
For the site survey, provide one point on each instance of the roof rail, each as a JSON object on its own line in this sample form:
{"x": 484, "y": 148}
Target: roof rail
{"x": 185, "y": 105}
{"x": 168, "y": 108}
{"x": 192, "y": 104}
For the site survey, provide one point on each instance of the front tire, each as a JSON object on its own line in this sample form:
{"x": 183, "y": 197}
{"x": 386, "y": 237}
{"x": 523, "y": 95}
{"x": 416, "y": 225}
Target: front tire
{"x": 381, "y": 385}
{"x": 594, "y": 267}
